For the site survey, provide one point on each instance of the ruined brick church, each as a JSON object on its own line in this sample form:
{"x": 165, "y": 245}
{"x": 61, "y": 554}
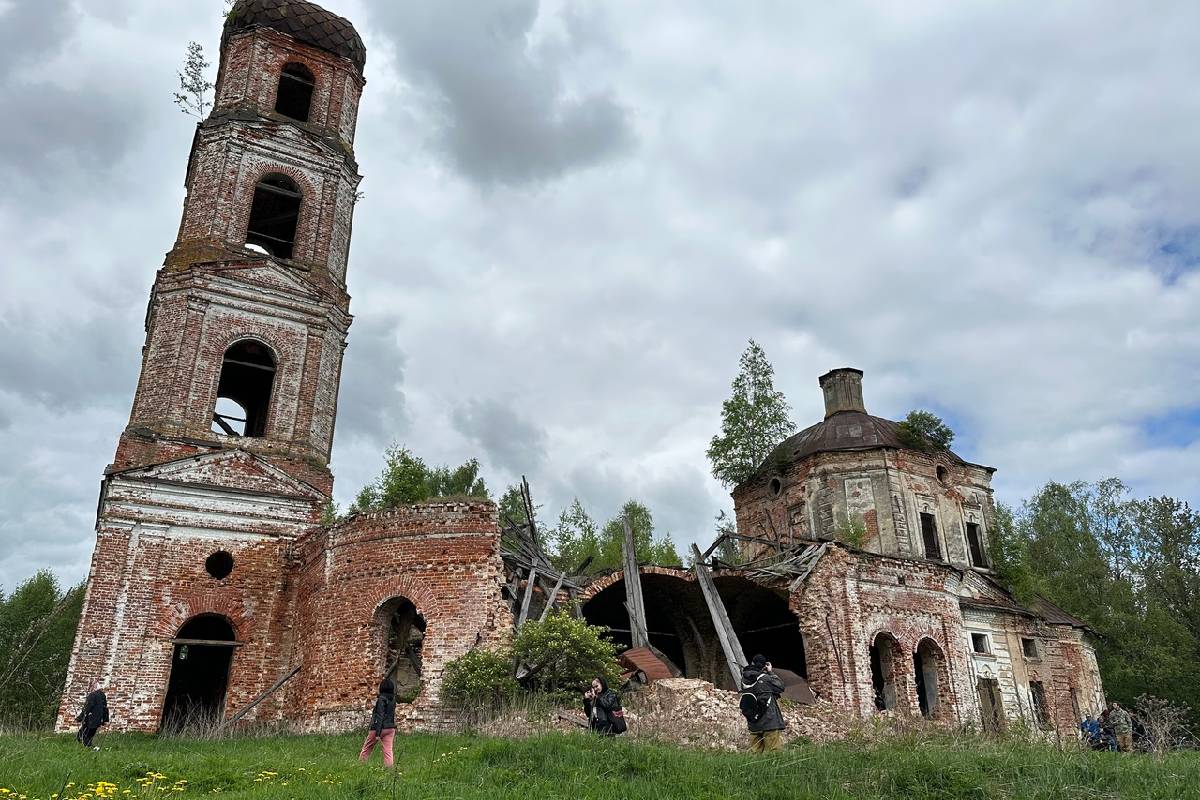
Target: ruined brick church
{"x": 216, "y": 591}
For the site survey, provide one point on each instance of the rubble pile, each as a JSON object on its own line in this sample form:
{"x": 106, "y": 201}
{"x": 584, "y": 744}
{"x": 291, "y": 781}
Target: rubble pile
{"x": 695, "y": 713}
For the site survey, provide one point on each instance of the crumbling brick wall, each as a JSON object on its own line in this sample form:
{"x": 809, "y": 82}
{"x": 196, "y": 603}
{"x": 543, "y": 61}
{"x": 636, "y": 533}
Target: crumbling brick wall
{"x": 442, "y": 556}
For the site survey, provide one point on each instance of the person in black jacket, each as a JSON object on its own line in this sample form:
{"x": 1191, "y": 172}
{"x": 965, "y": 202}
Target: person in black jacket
{"x": 766, "y": 727}
{"x": 603, "y": 709}
{"x": 383, "y": 723}
{"x": 93, "y": 715}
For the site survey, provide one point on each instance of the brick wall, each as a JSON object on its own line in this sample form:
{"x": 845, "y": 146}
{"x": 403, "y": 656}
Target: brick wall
{"x": 443, "y": 557}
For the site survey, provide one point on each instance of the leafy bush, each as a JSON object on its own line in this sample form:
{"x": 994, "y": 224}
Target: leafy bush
{"x": 924, "y": 431}
{"x": 564, "y": 654}
{"x": 480, "y": 680}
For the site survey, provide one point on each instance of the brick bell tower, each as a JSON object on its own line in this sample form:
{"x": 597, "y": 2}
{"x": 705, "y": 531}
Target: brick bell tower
{"x": 224, "y": 463}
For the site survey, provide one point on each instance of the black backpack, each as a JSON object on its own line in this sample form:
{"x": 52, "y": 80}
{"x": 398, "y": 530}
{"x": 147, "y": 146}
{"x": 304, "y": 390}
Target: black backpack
{"x": 751, "y": 705}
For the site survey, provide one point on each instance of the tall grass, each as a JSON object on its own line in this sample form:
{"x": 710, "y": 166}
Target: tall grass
{"x": 580, "y": 766}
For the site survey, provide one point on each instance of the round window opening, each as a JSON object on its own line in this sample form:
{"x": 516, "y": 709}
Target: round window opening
{"x": 943, "y": 474}
{"x": 776, "y": 486}
{"x": 219, "y": 564}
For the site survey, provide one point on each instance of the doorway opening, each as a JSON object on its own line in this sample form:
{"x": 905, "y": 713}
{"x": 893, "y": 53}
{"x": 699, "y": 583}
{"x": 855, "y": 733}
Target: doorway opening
{"x": 404, "y": 629}
{"x": 199, "y": 679}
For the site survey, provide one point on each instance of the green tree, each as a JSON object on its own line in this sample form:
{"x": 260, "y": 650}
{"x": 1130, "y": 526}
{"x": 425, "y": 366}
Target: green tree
{"x": 649, "y": 550}
{"x": 512, "y": 507}
{"x": 406, "y": 479}
{"x": 194, "y": 85}
{"x": 728, "y": 550}
{"x": 925, "y": 431}
{"x": 753, "y": 420}
{"x": 562, "y": 653}
{"x": 575, "y": 539}
{"x": 37, "y": 631}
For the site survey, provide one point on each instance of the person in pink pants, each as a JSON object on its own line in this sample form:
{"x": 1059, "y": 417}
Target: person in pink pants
{"x": 383, "y": 723}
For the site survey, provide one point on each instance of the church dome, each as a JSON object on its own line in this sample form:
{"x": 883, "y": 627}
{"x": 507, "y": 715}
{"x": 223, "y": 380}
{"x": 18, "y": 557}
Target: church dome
{"x": 303, "y": 21}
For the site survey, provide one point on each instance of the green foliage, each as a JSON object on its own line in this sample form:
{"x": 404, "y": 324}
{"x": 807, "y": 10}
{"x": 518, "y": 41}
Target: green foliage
{"x": 563, "y": 653}
{"x": 753, "y": 420}
{"x": 925, "y": 431}
{"x": 37, "y": 631}
{"x": 580, "y": 766}
{"x": 480, "y": 680}
{"x": 1130, "y": 568}
{"x": 576, "y": 538}
{"x": 406, "y": 479}
{"x": 329, "y": 514}
{"x": 853, "y": 532}
{"x": 194, "y": 86}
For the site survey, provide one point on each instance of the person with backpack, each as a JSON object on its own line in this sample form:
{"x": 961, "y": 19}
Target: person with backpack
{"x": 761, "y": 689}
{"x": 603, "y": 709}
{"x": 93, "y": 715}
{"x": 383, "y": 723}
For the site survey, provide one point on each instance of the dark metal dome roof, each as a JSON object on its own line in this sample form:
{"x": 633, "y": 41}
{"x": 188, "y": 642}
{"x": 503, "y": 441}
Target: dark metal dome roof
{"x": 303, "y": 21}
{"x": 845, "y": 430}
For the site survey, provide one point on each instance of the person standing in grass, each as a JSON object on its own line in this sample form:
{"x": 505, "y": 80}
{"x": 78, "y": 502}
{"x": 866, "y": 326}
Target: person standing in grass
{"x": 603, "y": 709}
{"x": 759, "y": 704}
{"x": 383, "y": 723}
{"x": 93, "y": 715}
{"x": 1122, "y": 727}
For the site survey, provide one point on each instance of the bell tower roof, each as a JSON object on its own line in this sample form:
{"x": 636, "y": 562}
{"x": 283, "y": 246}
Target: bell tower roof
{"x": 306, "y": 22}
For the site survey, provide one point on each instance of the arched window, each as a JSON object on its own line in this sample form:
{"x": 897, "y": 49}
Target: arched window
{"x": 244, "y": 390}
{"x": 403, "y": 629}
{"x": 274, "y": 214}
{"x": 295, "y": 92}
{"x": 885, "y": 656}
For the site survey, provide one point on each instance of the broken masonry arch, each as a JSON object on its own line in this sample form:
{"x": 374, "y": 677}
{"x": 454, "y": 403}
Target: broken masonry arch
{"x": 398, "y": 639}
{"x": 680, "y": 626}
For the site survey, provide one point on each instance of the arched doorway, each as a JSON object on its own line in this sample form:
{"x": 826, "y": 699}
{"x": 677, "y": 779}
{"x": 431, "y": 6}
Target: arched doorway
{"x": 764, "y": 623}
{"x": 885, "y": 668}
{"x": 928, "y": 666}
{"x": 677, "y": 621}
{"x": 200, "y": 666}
{"x": 402, "y": 635}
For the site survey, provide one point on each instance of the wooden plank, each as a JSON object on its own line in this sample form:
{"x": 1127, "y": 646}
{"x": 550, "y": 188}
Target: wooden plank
{"x": 734, "y": 657}
{"x": 528, "y": 596}
{"x": 262, "y": 697}
{"x": 553, "y": 596}
{"x": 633, "y": 589}
{"x": 716, "y": 543}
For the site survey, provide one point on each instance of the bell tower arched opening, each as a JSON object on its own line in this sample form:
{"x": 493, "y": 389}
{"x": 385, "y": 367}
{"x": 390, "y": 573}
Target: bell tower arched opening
{"x": 244, "y": 390}
{"x": 293, "y": 98}
{"x": 200, "y": 665}
{"x": 274, "y": 214}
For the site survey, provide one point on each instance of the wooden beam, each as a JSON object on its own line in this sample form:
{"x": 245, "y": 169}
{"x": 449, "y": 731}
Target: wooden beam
{"x": 262, "y": 697}
{"x": 716, "y": 543}
{"x": 553, "y": 596}
{"x": 735, "y": 659}
{"x": 633, "y": 589}
{"x": 528, "y": 596}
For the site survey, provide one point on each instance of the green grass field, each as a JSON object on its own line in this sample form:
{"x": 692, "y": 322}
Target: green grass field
{"x": 577, "y": 766}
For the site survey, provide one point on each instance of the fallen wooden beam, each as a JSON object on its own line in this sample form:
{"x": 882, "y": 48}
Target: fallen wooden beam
{"x": 633, "y": 589}
{"x": 528, "y": 597}
{"x": 261, "y": 697}
{"x": 553, "y": 596}
{"x": 735, "y": 659}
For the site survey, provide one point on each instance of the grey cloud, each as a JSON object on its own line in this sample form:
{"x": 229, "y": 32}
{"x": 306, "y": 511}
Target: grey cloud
{"x": 371, "y": 400}
{"x": 506, "y": 114}
{"x": 509, "y": 441}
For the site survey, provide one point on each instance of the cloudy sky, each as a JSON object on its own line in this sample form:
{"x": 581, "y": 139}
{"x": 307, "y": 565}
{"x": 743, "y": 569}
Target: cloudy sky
{"x": 577, "y": 213}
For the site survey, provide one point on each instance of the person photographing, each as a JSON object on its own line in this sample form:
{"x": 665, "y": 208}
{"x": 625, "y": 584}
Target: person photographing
{"x": 603, "y": 709}
{"x": 759, "y": 704}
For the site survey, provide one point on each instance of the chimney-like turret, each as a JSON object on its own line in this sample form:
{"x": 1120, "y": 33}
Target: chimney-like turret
{"x": 843, "y": 390}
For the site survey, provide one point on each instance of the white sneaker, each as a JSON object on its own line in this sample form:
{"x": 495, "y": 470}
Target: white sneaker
{"x": 97, "y": 749}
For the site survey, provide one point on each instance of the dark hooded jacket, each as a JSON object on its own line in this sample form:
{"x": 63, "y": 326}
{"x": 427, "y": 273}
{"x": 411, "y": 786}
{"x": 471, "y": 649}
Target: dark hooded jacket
{"x": 384, "y": 714}
{"x": 95, "y": 710}
{"x": 767, "y": 687}
{"x": 604, "y": 713}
